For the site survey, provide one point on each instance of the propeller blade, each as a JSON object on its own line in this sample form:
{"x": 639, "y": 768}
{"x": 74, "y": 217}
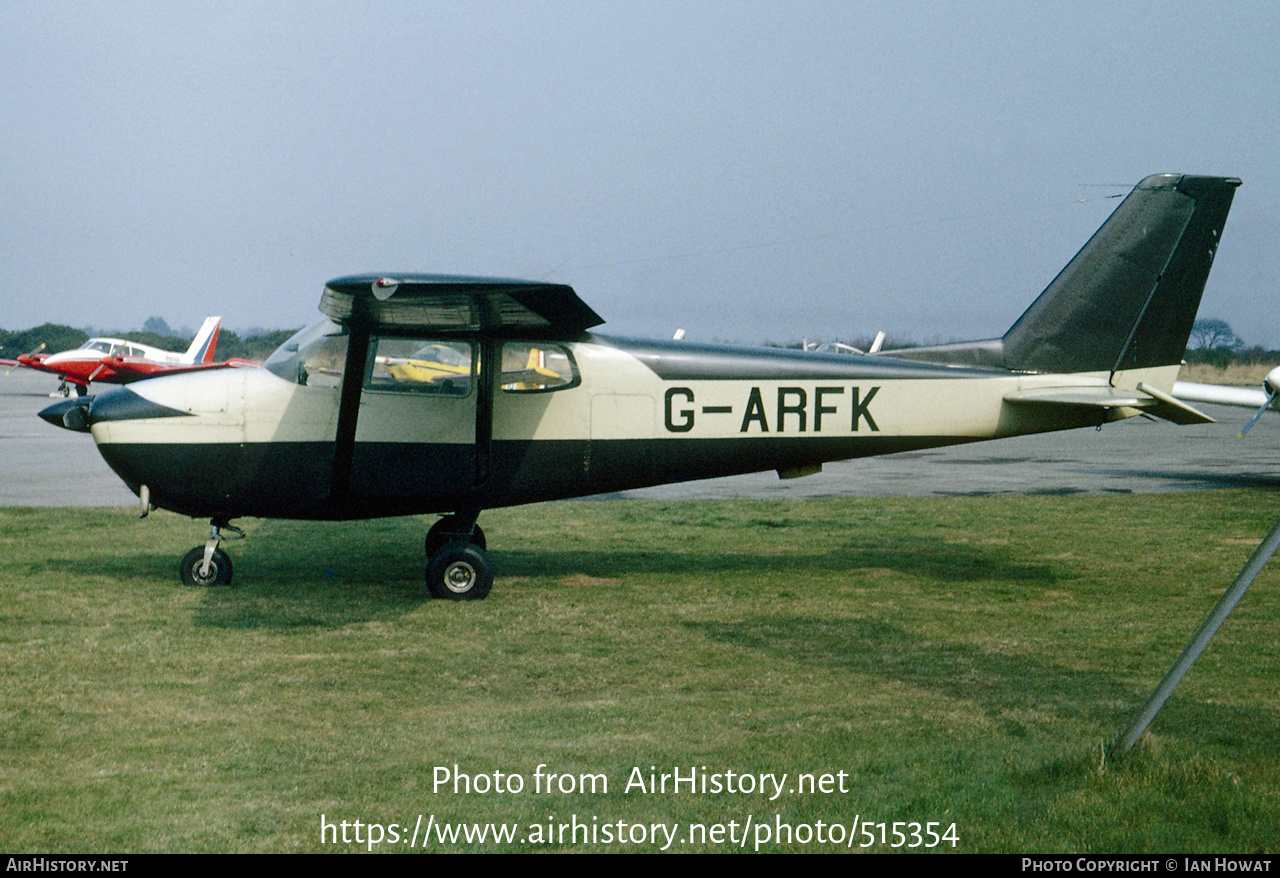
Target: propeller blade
{"x": 1271, "y": 397}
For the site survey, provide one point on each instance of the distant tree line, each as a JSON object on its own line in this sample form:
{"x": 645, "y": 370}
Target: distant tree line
{"x": 56, "y": 337}
{"x": 1212, "y": 342}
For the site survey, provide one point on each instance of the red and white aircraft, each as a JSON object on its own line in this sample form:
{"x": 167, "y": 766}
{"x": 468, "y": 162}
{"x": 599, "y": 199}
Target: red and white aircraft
{"x": 116, "y": 361}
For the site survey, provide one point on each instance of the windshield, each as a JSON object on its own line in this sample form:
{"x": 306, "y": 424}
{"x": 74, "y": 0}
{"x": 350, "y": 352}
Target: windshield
{"x": 314, "y": 356}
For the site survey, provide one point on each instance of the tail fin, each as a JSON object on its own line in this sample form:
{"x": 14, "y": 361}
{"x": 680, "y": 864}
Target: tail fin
{"x": 205, "y": 342}
{"x": 1128, "y": 298}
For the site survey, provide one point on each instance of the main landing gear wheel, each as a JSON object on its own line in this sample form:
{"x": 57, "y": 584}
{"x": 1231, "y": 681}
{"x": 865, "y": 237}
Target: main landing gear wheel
{"x": 218, "y": 573}
{"x": 445, "y": 531}
{"x": 460, "y": 571}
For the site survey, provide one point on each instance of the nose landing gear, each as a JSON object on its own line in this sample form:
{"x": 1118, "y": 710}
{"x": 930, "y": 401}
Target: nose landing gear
{"x": 208, "y": 565}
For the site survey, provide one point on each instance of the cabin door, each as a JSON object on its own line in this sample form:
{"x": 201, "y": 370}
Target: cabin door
{"x": 416, "y": 431}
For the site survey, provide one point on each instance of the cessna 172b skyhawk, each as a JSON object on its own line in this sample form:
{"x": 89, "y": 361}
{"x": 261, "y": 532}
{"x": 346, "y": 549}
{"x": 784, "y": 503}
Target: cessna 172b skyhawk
{"x": 435, "y": 394}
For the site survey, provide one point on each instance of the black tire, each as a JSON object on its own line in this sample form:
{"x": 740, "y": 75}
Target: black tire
{"x": 219, "y": 568}
{"x": 442, "y": 532}
{"x": 460, "y": 571}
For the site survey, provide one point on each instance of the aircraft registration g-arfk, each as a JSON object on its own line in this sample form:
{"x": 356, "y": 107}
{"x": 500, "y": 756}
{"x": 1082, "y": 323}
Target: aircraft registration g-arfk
{"x": 116, "y": 361}
{"x": 436, "y": 394}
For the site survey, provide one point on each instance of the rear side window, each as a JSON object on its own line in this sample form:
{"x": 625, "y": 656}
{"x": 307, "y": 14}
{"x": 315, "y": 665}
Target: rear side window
{"x": 537, "y": 367}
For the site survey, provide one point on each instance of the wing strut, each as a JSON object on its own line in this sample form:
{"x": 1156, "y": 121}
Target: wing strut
{"x": 1208, "y": 628}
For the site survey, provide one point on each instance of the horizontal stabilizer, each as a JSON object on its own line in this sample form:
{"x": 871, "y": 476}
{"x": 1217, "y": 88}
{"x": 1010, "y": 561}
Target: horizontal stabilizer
{"x": 1149, "y": 399}
{"x": 1172, "y": 409}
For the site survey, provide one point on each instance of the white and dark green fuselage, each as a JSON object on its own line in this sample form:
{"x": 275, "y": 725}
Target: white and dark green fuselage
{"x": 248, "y": 442}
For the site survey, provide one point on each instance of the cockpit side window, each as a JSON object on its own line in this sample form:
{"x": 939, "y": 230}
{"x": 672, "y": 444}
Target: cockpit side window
{"x": 415, "y": 365}
{"x": 314, "y": 356}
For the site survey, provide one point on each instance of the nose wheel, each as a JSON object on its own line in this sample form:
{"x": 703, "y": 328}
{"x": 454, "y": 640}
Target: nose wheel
{"x": 208, "y": 565}
{"x": 194, "y": 570}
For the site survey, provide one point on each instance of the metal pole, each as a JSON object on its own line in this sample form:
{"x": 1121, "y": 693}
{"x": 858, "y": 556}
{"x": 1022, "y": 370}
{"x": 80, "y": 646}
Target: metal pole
{"x": 1208, "y": 628}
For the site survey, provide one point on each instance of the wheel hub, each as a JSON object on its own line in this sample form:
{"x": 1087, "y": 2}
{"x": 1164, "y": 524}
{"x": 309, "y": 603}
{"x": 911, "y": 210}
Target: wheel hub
{"x": 459, "y": 577}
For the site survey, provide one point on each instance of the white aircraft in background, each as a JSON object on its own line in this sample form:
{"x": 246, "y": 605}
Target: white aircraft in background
{"x": 1245, "y": 397}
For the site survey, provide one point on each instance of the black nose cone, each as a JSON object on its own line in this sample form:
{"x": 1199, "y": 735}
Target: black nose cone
{"x": 116, "y": 404}
{"x": 70, "y": 413}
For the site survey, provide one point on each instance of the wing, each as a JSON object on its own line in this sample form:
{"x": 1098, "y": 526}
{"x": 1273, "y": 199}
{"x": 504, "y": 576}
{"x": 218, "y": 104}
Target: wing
{"x": 490, "y": 306}
{"x": 129, "y": 369}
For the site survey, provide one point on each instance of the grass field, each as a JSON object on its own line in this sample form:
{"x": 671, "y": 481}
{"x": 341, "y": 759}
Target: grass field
{"x": 961, "y": 661}
{"x": 1237, "y": 374}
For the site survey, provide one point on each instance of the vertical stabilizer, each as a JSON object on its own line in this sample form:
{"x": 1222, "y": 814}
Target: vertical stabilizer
{"x": 1128, "y": 298}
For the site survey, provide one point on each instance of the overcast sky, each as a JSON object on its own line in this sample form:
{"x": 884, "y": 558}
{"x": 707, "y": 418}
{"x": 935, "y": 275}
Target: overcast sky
{"x": 749, "y": 171}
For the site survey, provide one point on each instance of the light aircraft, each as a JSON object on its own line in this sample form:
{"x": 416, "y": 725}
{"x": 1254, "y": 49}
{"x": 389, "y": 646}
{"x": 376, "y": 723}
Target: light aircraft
{"x": 1247, "y": 397}
{"x": 545, "y": 409}
{"x": 116, "y": 361}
